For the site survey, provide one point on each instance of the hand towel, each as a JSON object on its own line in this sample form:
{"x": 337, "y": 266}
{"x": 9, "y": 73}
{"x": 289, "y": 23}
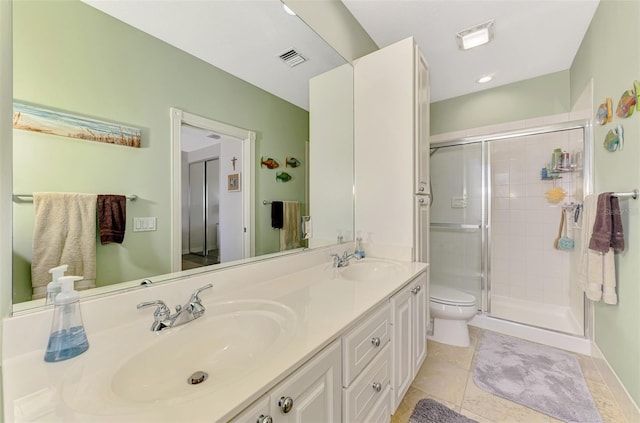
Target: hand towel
{"x": 112, "y": 218}
{"x": 290, "y": 232}
{"x": 617, "y": 231}
{"x": 588, "y": 216}
{"x": 607, "y": 227}
{"x": 596, "y": 270}
{"x": 277, "y": 214}
{"x": 64, "y": 233}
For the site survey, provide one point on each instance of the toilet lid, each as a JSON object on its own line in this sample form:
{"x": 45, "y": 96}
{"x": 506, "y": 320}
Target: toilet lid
{"x": 445, "y": 295}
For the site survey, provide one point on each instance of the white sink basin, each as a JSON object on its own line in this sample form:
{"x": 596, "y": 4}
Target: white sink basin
{"x": 229, "y": 341}
{"x": 369, "y": 270}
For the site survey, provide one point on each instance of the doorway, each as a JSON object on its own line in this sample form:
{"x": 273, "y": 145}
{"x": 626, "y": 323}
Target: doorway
{"x": 213, "y": 191}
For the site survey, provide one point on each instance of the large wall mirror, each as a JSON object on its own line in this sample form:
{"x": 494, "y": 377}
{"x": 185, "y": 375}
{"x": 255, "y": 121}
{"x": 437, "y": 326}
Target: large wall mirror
{"x": 130, "y": 63}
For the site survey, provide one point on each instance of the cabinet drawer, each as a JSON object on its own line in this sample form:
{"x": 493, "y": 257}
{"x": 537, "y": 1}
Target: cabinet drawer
{"x": 368, "y": 389}
{"x": 363, "y": 342}
{"x": 381, "y": 411}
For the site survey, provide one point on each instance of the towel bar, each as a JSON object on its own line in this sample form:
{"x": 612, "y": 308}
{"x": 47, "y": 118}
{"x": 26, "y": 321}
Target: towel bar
{"x": 633, "y": 194}
{"x": 29, "y": 197}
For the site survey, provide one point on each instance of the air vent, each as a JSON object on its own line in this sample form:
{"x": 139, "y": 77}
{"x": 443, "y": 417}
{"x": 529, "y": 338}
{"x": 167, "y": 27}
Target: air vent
{"x": 292, "y": 58}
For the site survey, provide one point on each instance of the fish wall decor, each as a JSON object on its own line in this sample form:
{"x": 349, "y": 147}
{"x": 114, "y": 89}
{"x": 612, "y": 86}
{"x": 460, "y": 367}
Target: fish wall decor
{"x": 283, "y": 177}
{"x": 269, "y": 163}
{"x": 291, "y": 162}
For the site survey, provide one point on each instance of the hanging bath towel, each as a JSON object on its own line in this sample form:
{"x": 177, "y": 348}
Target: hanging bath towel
{"x": 112, "y": 218}
{"x": 64, "y": 233}
{"x": 290, "y": 232}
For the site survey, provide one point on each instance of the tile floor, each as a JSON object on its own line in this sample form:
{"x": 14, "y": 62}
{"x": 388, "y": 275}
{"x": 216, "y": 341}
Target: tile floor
{"x": 447, "y": 377}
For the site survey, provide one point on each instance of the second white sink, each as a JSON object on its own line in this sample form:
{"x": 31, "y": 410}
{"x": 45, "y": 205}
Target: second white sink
{"x": 369, "y": 270}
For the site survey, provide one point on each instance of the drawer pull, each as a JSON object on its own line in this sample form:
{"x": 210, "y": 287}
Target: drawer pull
{"x": 377, "y": 386}
{"x": 375, "y": 341}
{"x": 414, "y": 290}
{"x": 264, "y": 419}
{"x": 285, "y": 404}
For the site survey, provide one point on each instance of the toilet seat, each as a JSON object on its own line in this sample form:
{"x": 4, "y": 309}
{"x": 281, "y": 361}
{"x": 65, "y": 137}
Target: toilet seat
{"x": 447, "y": 296}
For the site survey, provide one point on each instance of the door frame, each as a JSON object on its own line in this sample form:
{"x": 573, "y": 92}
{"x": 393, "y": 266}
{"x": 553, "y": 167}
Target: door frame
{"x": 179, "y": 117}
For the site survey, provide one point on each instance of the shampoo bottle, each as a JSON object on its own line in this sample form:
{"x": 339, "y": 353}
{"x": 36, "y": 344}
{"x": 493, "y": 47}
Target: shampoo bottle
{"x": 53, "y": 287}
{"x": 68, "y": 338}
{"x": 359, "y": 251}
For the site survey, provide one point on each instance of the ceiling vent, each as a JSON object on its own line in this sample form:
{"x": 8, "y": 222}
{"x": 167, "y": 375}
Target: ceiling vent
{"x": 292, "y": 58}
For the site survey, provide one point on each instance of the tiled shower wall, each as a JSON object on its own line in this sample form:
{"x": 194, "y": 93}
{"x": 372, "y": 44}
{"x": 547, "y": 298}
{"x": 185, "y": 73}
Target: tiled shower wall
{"x": 524, "y": 224}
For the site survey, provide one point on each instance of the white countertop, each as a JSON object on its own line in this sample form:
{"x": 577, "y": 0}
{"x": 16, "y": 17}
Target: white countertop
{"x": 323, "y": 303}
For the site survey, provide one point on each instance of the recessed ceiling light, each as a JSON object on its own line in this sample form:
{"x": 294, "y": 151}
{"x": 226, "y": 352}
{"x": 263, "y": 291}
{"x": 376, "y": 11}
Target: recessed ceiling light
{"x": 288, "y": 10}
{"x": 475, "y": 36}
{"x": 485, "y": 79}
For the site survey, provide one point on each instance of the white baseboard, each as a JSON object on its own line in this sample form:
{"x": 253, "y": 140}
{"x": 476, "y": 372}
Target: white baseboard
{"x": 627, "y": 405}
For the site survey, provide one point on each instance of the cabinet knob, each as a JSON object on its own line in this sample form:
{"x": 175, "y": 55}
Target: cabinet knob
{"x": 285, "y": 404}
{"x": 414, "y": 290}
{"x": 421, "y": 189}
{"x": 264, "y": 419}
{"x": 377, "y": 386}
{"x": 375, "y": 341}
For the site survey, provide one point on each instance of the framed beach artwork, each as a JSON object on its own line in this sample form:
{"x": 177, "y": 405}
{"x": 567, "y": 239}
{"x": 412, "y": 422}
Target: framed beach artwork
{"x": 46, "y": 121}
{"x": 233, "y": 182}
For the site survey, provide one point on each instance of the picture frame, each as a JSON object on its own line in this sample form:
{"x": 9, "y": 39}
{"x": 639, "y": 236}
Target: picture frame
{"x": 233, "y": 182}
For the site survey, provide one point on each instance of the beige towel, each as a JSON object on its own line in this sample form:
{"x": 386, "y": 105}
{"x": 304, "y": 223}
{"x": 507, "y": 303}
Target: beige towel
{"x": 596, "y": 272}
{"x": 64, "y": 233}
{"x": 290, "y": 232}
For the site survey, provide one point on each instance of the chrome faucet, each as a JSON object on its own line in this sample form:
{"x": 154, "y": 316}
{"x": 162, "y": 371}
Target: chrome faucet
{"x": 343, "y": 261}
{"x": 163, "y": 318}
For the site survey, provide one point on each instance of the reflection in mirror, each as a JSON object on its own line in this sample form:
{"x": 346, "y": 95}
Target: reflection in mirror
{"x": 72, "y": 58}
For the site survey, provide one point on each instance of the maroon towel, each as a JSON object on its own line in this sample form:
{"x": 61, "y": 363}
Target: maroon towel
{"x": 607, "y": 226}
{"x": 112, "y": 218}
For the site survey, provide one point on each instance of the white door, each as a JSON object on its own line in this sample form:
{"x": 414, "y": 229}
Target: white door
{"x": 402, "y": 370}
{"x": 420, "y": 299}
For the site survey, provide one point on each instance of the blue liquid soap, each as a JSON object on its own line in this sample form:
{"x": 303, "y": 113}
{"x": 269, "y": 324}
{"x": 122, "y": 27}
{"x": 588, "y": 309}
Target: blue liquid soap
{"x": 68, "y": 337}
{"x": 65, "y": 344}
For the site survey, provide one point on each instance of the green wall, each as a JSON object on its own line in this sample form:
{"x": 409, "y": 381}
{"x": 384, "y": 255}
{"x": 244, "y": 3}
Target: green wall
{"x": 70, "y": 57}
{"x": 610, "y": 54}
{"x": 542, "y": 96}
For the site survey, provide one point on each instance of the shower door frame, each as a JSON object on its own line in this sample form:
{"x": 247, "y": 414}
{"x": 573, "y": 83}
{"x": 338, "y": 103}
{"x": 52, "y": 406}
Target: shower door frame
{"x": 587, "y": 132}
{"x": 205, "y": 207}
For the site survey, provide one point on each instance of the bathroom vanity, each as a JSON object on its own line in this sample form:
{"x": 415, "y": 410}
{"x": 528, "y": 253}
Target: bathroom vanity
{"x": 291, "y": 339}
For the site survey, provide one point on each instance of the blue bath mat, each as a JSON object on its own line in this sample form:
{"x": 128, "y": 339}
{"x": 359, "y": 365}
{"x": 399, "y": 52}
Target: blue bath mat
{"x": 542, "y": 378}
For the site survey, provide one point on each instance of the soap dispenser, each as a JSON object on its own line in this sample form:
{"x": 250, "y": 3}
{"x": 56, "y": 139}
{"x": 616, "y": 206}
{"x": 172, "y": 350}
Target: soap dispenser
{"x": 359, "y": 251}
{"x": 53, "y": 287}
{"x": 68, "y": 338}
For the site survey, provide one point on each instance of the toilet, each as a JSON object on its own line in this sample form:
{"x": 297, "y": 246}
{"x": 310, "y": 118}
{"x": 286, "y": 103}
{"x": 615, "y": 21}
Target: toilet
{"x": 451, "y": 310}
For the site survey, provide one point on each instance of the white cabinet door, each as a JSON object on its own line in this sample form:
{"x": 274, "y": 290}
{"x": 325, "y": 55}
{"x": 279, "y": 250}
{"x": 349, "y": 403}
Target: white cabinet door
{"x": 409, "y": 335}
{"x": 312, "y": 394}
{"x": 401, "y": 353}
{"x": 421, "y": 307}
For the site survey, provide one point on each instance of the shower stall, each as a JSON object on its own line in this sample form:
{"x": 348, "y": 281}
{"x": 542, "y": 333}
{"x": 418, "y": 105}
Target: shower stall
{"x": 493, "y": 228}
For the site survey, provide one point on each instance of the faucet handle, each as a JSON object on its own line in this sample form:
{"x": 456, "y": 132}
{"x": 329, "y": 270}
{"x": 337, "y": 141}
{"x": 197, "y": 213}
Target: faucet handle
{"x": 162, "y": 307}
{"x": 194, "y": 296}
{"x": 161, "y": 314}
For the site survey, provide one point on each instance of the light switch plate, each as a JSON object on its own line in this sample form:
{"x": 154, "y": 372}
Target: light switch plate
{"x": 144, "y": 224}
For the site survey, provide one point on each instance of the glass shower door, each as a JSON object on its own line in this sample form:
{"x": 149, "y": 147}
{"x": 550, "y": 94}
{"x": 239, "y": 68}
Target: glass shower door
{"x": 457, "y": 218}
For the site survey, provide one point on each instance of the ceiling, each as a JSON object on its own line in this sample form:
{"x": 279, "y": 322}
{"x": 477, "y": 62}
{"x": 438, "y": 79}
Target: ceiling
{"x": 245, "y": 38}
{"x": 532, "y": 37}
{"x": 241, "y": 37}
